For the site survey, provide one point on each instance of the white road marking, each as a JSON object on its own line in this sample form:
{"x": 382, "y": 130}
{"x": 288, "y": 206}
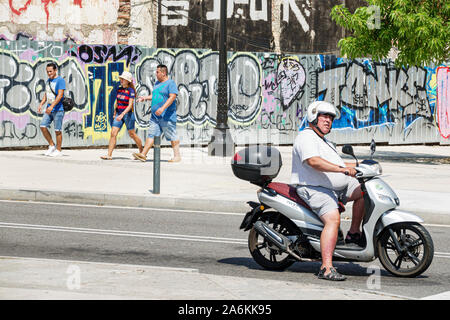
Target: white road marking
{"x": 436, "y": 225}
{"x": 442, "y": 255}
{"x": 143, "y": 234}
{"x": 122, "y": 233}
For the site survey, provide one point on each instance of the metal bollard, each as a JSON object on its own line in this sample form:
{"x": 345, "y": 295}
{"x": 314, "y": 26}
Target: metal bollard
{"x": 156, "y": 164}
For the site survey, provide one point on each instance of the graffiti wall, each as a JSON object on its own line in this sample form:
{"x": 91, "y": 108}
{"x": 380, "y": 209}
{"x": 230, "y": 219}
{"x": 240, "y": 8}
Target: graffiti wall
{"x": 267, "y": 94}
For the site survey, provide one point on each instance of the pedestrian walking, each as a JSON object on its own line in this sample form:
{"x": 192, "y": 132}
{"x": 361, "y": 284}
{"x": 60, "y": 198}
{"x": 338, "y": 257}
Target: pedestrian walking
{"x": 163, "y": 114}
{"x": 54, "y": 112}
{"x": 123, "y": 113}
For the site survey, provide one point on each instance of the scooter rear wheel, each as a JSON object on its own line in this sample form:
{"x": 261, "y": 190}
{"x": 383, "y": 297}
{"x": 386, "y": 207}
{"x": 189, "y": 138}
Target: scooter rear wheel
{"x": 263, "y": 252}
{"x": 416, "y": 251}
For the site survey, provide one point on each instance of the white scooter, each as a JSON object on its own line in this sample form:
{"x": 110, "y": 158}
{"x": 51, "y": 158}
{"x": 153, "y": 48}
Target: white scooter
{"x": 283, "y": 229}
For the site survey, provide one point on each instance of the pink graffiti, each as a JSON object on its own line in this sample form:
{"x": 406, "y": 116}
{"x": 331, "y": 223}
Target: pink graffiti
{"x": 44, "y": 2}
{"x": 443, "y": 100}
{"x": 20, "y": 122}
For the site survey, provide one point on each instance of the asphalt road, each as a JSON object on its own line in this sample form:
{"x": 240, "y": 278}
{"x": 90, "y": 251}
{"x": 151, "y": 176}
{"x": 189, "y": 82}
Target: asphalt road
{"x": 210, "y": 242}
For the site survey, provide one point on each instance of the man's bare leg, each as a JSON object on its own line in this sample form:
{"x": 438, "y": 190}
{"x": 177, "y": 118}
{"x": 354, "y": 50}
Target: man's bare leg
{"x": 136, "y": 139}
{"x": 357, "y": 210}
{"x": 58, "y": 140}
{"x": 328, "y": 238}
{"x": 112, "y": 140}
{"x": 176, "y": 151}
{"x": 47, "y": 136}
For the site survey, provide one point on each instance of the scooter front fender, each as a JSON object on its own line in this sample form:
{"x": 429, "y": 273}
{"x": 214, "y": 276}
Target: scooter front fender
{"x": 396, "y": 216}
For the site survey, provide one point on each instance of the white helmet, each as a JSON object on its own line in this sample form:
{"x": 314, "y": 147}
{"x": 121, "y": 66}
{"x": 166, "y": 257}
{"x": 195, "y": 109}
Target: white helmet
{"x": 319, "y": 107}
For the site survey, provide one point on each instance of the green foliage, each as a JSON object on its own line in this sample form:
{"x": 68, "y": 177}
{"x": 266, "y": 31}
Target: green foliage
{"x": 419, "y": 29}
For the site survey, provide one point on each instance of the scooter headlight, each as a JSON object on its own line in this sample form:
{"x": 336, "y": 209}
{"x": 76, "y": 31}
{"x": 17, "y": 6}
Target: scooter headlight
{"x": 370, "y": 168}
{"x": 376, "y": 167}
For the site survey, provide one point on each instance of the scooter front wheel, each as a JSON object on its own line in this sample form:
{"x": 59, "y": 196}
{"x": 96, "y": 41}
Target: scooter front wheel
{"x": 263, "y": 252}
{"x": 405, "y": 249}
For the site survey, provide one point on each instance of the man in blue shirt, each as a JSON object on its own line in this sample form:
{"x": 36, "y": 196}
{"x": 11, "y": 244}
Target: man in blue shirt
{"x": 54, "y": 92}
{"x": 164, "y": 114}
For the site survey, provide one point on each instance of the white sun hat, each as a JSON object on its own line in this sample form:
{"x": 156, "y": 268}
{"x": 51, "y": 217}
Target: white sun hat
{"x": 127, "y": 76}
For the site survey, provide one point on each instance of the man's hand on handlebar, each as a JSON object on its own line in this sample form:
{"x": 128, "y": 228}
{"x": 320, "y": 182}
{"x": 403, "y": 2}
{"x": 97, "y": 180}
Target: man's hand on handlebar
{"x": 349, "y": 171}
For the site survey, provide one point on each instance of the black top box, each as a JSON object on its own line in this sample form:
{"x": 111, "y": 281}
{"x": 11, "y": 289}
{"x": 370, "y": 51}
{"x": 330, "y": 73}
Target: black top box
{"x": 258, "y": 164}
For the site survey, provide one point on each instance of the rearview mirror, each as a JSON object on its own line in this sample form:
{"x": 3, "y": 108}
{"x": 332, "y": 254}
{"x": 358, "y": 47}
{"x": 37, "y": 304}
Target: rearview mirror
{"x": 373, "y": 147}
{"x": 348, "y": 149}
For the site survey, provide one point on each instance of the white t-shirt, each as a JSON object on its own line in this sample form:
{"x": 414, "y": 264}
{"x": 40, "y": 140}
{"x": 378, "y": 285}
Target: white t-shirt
{"x": 307, "y": 145}
{"x": 48, "y": 91}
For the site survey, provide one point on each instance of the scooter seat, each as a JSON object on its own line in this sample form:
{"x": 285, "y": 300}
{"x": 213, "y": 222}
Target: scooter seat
{"x": 289, "y": 192}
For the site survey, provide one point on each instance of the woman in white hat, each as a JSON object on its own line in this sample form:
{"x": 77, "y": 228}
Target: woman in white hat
{"x": 123, "y": 113}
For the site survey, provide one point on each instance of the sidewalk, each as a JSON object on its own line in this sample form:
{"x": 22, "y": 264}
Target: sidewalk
{"x": 419, "y": 174}
{"x": 40, "y": 279}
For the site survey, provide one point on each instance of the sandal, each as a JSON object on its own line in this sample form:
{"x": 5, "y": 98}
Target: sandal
{"x": 139, "y": 156}
{"x": 333, "y": 275}
{"x": 177, "y": 159}
{"x": 106, "y": 158}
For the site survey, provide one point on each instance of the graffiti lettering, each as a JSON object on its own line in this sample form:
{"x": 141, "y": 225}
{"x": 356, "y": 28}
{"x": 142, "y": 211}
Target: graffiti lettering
{"x": 372, "y": 94}
{"x": 290, "y": 4}
{"x": 196, "y": 77}
{"x": 8, "y": 130}
{"x": 101, "y": 54}
{"x": 22, "y": 85}
{"x": 103, "y": 85}
{"x": 74, "y": 130}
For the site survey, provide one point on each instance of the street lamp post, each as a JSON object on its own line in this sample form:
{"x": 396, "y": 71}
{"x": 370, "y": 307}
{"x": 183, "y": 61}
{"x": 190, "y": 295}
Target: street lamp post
{"x": 221, "y": 143}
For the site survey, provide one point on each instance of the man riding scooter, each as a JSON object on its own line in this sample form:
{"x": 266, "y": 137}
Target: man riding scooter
{"x": 322, "y": 179}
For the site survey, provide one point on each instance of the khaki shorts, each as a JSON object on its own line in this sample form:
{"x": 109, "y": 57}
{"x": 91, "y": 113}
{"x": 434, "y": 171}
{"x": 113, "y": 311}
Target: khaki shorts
{"x": 323, "y": 200}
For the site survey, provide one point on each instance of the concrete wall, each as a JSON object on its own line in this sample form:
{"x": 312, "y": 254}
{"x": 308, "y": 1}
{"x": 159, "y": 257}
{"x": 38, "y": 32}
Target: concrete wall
{"x": 107, "y": 22}
{"x": 267, "y": 93}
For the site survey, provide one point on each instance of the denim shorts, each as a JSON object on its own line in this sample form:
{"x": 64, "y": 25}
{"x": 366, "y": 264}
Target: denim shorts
{"x": 56, "y": 117}
{"x": 323, "y": 200}
{"x": 128, "y": 119}
{"x": 158, "y": 126}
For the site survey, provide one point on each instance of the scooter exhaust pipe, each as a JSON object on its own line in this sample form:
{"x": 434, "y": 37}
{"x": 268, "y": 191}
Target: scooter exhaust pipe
{"x": 280, "y": 241}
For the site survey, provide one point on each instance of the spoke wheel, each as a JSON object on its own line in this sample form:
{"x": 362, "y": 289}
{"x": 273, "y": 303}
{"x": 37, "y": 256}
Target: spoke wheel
{"x": 415, "y": 251}
{"x": 265, "y": 253}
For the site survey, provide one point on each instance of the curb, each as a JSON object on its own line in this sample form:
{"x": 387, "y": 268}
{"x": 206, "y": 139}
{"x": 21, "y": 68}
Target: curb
{"x": 158, "y": 202}
{"x": 127, "y": 200}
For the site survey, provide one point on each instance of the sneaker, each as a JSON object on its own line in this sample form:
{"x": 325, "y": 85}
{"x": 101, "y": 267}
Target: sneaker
{"x": 56, "y": 153}
{"x": 50, "y": 150}
{"x": 355, "y": 238}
